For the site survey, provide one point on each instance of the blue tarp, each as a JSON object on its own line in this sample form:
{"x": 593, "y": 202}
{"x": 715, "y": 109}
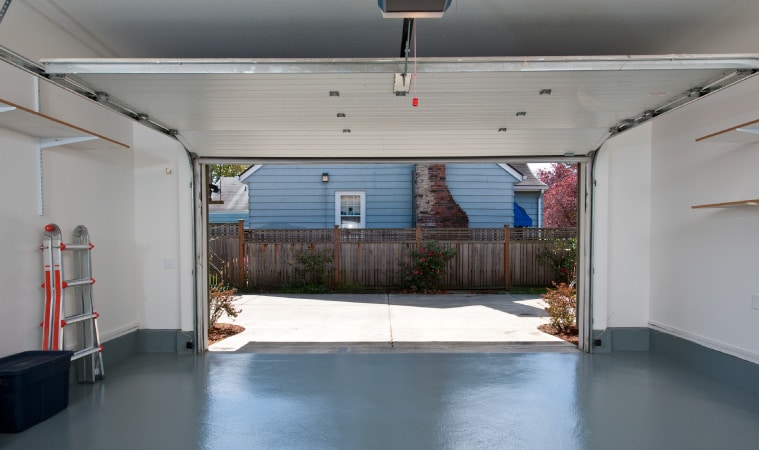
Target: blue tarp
{"x": 521, "y": 219}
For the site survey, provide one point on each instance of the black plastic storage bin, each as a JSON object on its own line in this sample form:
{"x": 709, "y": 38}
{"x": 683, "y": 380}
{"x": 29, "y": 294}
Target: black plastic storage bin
{"x": 34, "y": 386}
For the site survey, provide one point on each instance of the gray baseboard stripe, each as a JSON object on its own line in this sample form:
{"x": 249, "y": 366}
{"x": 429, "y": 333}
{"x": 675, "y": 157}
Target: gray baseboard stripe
{"x": 157, "y": 341}
{"x": 147, "y": 341}
{"x": 714, "y": 363}
{"x": 627, "y": 339}
{"x": 119, "y": 349}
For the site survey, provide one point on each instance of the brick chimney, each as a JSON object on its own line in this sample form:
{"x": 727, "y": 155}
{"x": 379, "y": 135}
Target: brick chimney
{"x": 435, "y": 206}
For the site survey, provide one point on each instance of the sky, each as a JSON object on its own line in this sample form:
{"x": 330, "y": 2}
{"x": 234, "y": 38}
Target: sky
{"x": 535, "y": 166}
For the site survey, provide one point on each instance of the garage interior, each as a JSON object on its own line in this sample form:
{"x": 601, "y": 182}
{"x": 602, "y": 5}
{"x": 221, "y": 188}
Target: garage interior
{"x": 109, "y": 111}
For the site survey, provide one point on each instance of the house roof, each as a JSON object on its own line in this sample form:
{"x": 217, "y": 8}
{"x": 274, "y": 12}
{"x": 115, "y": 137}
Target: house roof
{"x": 529, "y": 181}
{"x": 233, "y": 193}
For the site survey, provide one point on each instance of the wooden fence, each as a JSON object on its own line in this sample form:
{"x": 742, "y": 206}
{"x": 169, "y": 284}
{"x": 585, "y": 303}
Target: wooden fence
{"x": 374, "y": 258}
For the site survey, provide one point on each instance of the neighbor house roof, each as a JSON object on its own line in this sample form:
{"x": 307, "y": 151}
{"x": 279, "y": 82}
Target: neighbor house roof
{"x": 529, "y": 181}
{"x": 233, "y": 193}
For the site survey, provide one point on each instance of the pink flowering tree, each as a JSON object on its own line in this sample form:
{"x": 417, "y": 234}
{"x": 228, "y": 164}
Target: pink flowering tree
{"x": 561, "y": 196}
{"x": 428, "y": 265}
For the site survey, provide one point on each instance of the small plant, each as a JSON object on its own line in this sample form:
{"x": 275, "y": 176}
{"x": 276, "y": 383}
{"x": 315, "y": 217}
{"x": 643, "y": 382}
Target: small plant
{"x": 315, "y": 268}
{"x": 427, "y": 267}
{"x": 562, "y": 256}
{"x": 221, "y": 301}
{"x": 562, "y": 306}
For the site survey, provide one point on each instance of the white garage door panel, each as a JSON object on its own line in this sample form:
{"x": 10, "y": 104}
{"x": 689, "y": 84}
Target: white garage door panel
{"x": 281, "y": 108}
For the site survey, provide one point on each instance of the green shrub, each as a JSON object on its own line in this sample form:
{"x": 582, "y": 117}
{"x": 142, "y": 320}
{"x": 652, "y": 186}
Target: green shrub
{"x": 427, "y": 267}
{"x": 562, "y": 256}
{"x": 221, "y": 300}
{"x": 313, "y": 268}
{"x": 562, "y": 306}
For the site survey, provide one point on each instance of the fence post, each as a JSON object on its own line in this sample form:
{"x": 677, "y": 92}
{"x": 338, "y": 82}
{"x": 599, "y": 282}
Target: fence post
{"x": 506, "y": 257}
{"x": 336, "y": 256}
{"x": 418, "y": 237}
{"x": 241, "y": 253}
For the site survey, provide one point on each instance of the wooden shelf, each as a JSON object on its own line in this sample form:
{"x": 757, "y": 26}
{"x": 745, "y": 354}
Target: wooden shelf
{"x": 745, "y": 133}
{"x": 26, "y": 121}
{"x": 729, "y": 204}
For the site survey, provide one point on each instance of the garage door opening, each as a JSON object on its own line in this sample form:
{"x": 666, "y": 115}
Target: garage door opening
{"x": 332, "y": 257}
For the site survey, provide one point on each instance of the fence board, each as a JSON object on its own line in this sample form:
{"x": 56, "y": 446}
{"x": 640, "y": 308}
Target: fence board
{"x": 375, "y": 258}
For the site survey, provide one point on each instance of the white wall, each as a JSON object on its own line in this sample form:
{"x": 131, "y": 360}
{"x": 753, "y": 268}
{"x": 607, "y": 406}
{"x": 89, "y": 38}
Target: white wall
{"x": 89, "y": 187}
{"x": 657, "y": 261}
{"x": 135, "y": 202}
{"x": 163, "y": 231}
{"x": 622, "y": 230}
{"x": 705, "y": 263}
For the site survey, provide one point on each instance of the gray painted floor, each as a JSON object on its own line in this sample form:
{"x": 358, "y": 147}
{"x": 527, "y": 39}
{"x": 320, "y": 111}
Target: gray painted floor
{"x": 400, "y": 401}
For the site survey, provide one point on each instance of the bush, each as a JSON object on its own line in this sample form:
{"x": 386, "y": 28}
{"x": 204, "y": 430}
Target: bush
{"x": 314, "y": 268}
{"x": 221, "y": 301}
{"x": 562, "y": 256}
{"x": 562, "y": 306}
{"x": 427, "y": 267}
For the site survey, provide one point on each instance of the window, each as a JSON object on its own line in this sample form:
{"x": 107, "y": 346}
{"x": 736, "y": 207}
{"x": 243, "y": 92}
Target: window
{"x": 350, "y": 209}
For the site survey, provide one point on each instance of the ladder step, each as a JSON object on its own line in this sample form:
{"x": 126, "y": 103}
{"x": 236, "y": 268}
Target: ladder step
{"x": 85, "y": 351}
{"x": 79, "y": 318}
{"x": 79, "y": 282}
{"x": 77, "y": 246}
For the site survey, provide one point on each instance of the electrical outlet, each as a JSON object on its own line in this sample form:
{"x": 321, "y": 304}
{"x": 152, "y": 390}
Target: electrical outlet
{"x": 755, "y": 301}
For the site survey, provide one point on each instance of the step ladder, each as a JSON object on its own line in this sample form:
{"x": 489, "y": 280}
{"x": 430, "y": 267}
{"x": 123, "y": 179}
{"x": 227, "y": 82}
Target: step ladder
{"x": 88, "y": 356}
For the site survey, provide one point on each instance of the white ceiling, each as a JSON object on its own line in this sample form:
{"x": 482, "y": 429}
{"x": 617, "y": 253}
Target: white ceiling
{"x": 265, "y": 108}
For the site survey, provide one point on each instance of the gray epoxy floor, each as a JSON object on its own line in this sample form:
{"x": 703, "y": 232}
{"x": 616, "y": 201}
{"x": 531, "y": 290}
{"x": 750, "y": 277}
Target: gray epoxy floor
{"x": 400, "y": 401}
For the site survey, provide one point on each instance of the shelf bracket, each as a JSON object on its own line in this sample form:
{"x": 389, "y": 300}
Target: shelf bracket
{"x": 57, "y": 142}
{"x": 51, "y": 143}
{"x": 40, "y": 186}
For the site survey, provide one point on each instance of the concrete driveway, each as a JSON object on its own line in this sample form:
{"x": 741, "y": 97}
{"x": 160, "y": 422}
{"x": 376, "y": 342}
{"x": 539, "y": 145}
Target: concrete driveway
{"x": 390, "y": 322}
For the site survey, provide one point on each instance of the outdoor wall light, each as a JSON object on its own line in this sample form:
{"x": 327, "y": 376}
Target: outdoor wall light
{"x": 325, "y": 177}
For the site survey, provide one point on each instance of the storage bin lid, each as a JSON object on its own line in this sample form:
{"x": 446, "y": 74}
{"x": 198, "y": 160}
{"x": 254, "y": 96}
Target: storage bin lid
{"x": 25, "y": 361}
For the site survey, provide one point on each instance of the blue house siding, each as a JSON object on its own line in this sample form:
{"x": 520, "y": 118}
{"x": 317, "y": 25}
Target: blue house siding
{"x": 484, "y": 191}
{"x": 226, "y": 217}
{"x": 529, "y": 201}
{"x": 293, "y": 196}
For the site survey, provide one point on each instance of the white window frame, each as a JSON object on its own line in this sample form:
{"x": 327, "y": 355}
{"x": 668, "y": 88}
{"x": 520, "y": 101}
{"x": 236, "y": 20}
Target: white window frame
{"x": 362, "y": 202}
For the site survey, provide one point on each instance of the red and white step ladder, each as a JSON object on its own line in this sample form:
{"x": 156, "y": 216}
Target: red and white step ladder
{"x": 88, "y": 354}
